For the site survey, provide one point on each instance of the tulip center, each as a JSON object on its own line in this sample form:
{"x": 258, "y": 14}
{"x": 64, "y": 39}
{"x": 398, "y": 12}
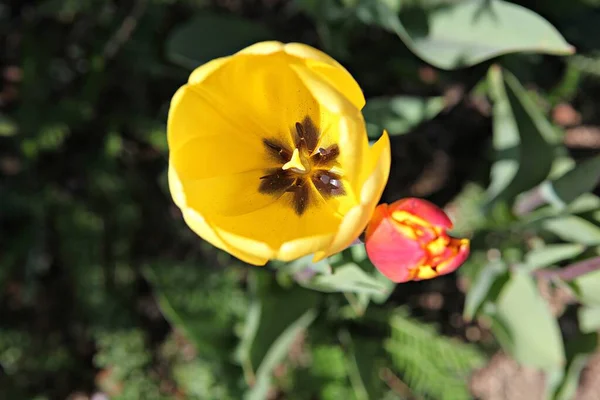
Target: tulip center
{"x": 305, "y": 172}
{"x": 298, "y": 163}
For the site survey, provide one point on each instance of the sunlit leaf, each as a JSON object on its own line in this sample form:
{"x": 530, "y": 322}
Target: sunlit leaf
{"x": 550, "y": 255}
{"x": 469, "y": 32}
{"x": 589, "y": 319}
{"x": 533, "y": 332}
{"x": 398, "y": 115}
{"x": 486, "y": 286}
{"x": 580, "y": 180}
{"x": 573, "y": 229}
{"x": 208, "y": 36}
{"x": 587, "y": 288}
{"x": 347, "y": 278}
{"x": 584, "y": 203}
{"x": 524, "y": 140}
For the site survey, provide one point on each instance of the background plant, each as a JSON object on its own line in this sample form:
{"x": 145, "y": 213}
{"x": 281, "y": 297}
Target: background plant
{"x": 104, "y": 289}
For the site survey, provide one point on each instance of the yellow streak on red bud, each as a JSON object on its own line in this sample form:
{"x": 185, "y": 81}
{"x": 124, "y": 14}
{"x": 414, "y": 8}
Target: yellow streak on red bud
{"x": 438, "y": 245}
{"x": 405, "y": 217}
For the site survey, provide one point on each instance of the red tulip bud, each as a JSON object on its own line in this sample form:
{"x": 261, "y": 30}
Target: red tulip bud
{"x": 408, "y": 240}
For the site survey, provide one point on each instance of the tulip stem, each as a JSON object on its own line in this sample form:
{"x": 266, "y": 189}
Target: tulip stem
{"x": 570, "y": 272}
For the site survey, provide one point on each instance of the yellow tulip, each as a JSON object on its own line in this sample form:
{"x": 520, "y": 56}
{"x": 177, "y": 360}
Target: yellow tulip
{"x": 269, "y": 157}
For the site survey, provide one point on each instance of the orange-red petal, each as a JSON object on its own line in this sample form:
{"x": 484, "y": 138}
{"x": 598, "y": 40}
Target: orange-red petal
{"x": 393, "y": 253}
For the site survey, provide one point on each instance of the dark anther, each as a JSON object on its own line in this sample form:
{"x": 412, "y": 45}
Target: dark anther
{"x": 277, "y": 181}
{"x": 300, "y": 134}
{"x": 277, "y": 150}
{"x": 301, "y": 196}
{"x": 307, "y": 135}
{"x": 329, "y": 184}
{"x": 326, "y": 156}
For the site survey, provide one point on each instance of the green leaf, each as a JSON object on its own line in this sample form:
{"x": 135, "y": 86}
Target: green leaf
{"x": 573, "y": 229}
{"x": 271, "y": 327}
{"x": 485, "y": 287}
{"x": 399, "y": 114}
{"x": 276, "y": 354}
{"x": 534, "y": 337}
{"x": 469, "y": 32}
{"x": 524, "y": 140}
{"x": 550, "y": 255}
{"x": 584, "y": 203}
{"x": 347, "y": 278}
{"x": 587, "y": 288}
{"x": 561, "y": 165}
{"x": 208, "y": 36}
{"x": 589, "y": 319}
{"x": 582, "y": 179}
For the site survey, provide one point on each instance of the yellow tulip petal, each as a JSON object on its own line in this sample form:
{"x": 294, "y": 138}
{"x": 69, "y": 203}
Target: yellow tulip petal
{"x": 352, "y": 157}
{"x": 175, "y": 187}
{"x": 203, "y": 228}
{"x": 324, "y": 93}
{"x": 196, "y": 113}
{"x": 341, "y": 80}
{"x": 300, "y": 247}
{"x": 330, "y": 70}
{"x": 263, "y": 48}
{"x": 247, "y": 249}
{"x": 200, "y": 73}
{"x": 306, "y": 52}
{"x": 278, "y": 223}
{"x": 251, "y": 254}
{"x": 378, "y": 164}
{"x": 266, "y": 89}
{"x": 202, "y": 157}
{"x": 350, "y": 228}
{"x": 342, "y": 204}
{"x": 228, "y": 195}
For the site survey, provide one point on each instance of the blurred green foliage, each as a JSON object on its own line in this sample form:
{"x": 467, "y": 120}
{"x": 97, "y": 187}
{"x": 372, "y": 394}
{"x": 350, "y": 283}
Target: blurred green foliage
{"x": 105, "y": 290}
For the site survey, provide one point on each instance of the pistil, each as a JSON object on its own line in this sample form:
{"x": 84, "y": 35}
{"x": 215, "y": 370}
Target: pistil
{"x": 298, "y": 163}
